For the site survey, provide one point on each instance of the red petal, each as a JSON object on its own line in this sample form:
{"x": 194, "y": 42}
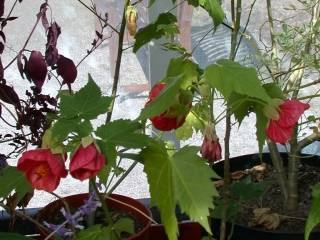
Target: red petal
{"x": 290, "y": 112}
{"x": 67, "y": 70}
{"x": 37, "y": 68}
{"x": 156, "y": 90}
{"x": 279, "y": 134}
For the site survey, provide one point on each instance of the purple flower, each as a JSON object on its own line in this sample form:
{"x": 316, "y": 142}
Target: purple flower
{"x": 73, "y": 219}
{"x": 59, "y": 230}
{"x": 90, "y": 205}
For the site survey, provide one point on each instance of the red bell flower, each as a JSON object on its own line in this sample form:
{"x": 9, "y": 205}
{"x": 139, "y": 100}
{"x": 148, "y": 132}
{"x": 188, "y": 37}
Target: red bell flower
{"x": 211, "y": 148}
{"x": 42, "y": 168}
{"x": 280, "y": 130}
{"x": 86, "y": 162}
{"x": 175, "y": 116}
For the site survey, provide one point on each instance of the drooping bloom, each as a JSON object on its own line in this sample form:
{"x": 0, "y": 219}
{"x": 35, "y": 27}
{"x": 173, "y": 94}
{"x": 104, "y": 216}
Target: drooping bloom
{"x": 42, "y": 168}
{"x": 174, "y": 116}
{"x": 210, "y": 148}
{"x": 280, "y": 130}
{"x": 86, "y": 162}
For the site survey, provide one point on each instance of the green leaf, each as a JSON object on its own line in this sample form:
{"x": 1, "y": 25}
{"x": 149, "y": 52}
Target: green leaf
{"x": 87, "y": 103}
{"x": 273, "y": 90}
{"x": 176, "y": 47}
{"x": 190, "y": 171}
{"x": 314, "y": 215}
{"x": 176, "y": 180}
{"x": 228, "y": 77}
{"x": 96, "y": 232}
{"x": 110, "y": 153}
{"x": 247, "y": 190}
{"x": 63, "y": 127}
{"x": 124, "y": 225}
{"x": 214, "y": 9}
{"x": 239, "y": 106}
{"x": 261, "y": 125}
{"x": 159, "y": 173}
{"x": 151, "y": 2}
{"x": 186, "y": 130}
{"x": 123, "y": 133}
{"x": 13, "y": 180}
{"x": 166, "y": 21}
{"x": 13, "y": 236}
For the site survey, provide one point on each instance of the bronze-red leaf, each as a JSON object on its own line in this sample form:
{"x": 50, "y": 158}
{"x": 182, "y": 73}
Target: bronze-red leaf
{"x": 67, "y": 70}
{"x": 37, "y": 68}
{"x": 9, "y": 95}
{"x": 1, "y": 7}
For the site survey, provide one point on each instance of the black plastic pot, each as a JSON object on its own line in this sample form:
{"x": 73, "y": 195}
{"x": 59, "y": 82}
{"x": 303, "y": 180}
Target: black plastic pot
{"x": 246, "y": 233}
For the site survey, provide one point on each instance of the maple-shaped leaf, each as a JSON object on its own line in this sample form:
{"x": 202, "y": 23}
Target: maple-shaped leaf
{"x": 176, "y": 180}
{"x": 230, "y": 77}
{"x": 87, "y": 103}
{"x": 123, "y": 133}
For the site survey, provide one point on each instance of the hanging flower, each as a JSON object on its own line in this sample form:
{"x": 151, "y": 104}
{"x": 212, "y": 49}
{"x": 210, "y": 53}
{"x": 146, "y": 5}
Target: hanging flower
{"x": 86, "y": 162}
{"x": 281, "y": 129}
{"x": 43, "y": 169}
{"x": 210, "y": 148}
{"x": 175, "y": 116}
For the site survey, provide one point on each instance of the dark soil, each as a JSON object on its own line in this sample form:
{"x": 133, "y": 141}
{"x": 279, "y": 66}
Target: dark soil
{"x": 272, "y": 198}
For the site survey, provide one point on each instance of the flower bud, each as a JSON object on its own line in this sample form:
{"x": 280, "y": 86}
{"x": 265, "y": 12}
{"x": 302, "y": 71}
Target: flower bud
{"x": 211, "y": 149}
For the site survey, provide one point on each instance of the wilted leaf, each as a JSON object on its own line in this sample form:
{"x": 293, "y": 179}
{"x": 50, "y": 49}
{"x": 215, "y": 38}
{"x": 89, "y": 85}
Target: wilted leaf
{"x": 263, "y": 217}
{"x": 52, "y": 54}
{"x": 1, "y": 7}
{"x": 9, "y": 95}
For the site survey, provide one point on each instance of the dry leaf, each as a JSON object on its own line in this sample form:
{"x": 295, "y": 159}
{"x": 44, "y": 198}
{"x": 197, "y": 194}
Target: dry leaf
{"x": 238, "y": 175}
{"x": 263, "y": 217}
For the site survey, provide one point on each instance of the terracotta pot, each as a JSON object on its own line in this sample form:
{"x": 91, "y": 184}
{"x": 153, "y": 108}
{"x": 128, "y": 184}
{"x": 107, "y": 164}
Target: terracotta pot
{"x": 114, "y": 201}
{"x": 244, "y": 233}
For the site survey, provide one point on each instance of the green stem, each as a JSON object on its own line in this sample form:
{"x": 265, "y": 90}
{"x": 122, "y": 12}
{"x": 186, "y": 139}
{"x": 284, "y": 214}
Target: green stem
{"x": 122, "y": 177}
{"x": 118, "y": 62}
{"x": 104, "y": 206}
{"x": 236, "y": 18}
{"x": 278, "y": 166}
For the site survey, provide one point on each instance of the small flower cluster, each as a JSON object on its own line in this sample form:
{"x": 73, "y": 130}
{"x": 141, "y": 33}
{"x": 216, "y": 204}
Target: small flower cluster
{"x": 44, "y": 169}
{"x": 74, "y": 220}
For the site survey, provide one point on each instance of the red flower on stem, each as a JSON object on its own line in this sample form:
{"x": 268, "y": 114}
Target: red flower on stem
{"x": 86, "y": 162}
{"x": 172, "y": 118}
{"x": 211, "y": 148}
{"x": 42, "y": 168}
{"x": 280, "y": 130}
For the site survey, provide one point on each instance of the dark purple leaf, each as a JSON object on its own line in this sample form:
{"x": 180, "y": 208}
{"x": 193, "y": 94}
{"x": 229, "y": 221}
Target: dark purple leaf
{"x": 44, "y": 19}
{"x": 1, "y": 70}
{"x": 1, "y": 7}
{"x": 67, "y": 70}
{"x": 3, "y": 161}
{"x": 20, "y": 64}
{"x": 8, "y": 95}
{"x": 0, "y": 110}
{"x": 37, "y": 68}
{"x": 2, "y": 35}
{"x": 1, "y": 47}
{"x": 51, "y": 45}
